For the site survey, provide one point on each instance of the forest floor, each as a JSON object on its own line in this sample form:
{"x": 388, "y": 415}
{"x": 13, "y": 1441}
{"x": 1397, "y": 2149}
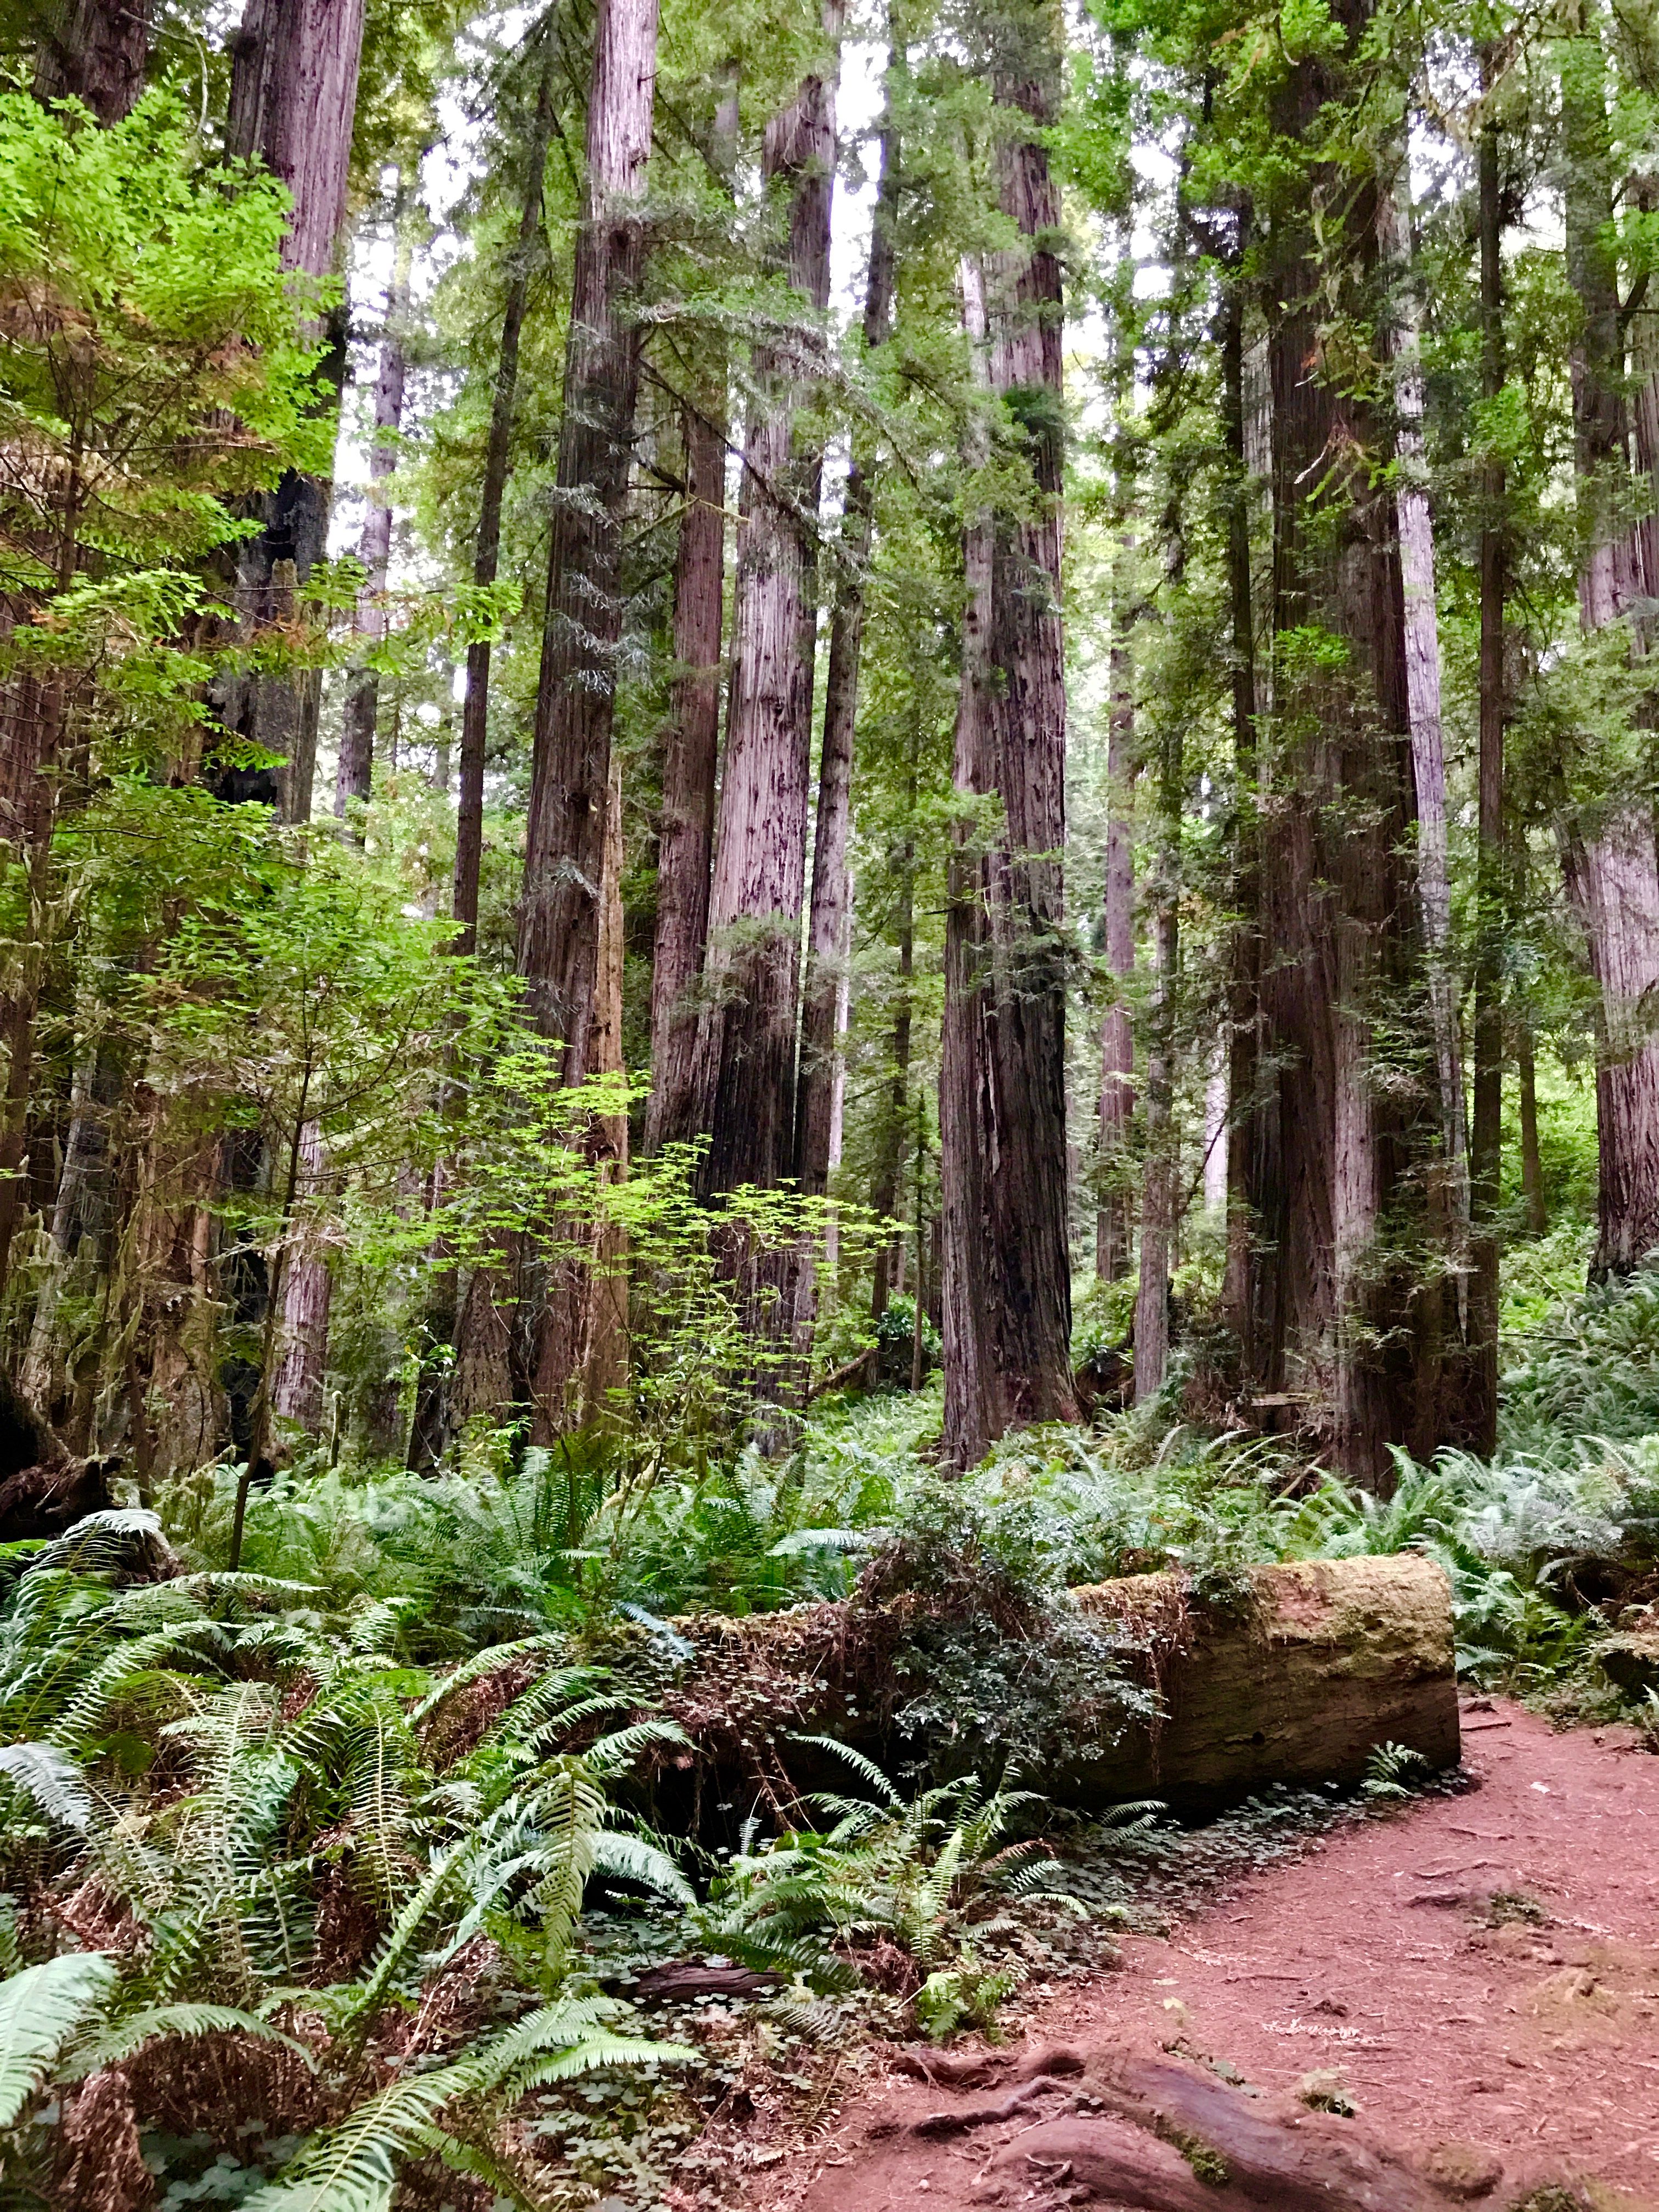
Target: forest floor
{"x": 1481, "y": 1970}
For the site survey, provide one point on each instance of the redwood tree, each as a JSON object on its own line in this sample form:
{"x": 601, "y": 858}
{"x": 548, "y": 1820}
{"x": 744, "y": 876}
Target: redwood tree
{"x": 1002, "y": 1094}
{"x": 292, "y": 102}
{"x": 560, "y": 921}
{"x": 685, "y": 841}
{"x": 746, "y": 1047}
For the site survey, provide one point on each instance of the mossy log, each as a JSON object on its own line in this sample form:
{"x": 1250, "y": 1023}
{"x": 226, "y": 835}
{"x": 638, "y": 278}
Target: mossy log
{"x": 1311, "y": 1669}
{"x": 1295, "y": 1674}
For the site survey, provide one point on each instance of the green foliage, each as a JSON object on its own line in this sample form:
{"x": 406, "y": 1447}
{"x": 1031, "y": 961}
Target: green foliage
{"x": 930, "y": 1878}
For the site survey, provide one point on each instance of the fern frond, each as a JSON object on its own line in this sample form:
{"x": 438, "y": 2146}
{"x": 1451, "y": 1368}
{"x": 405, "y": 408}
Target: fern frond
{"x": 39, "y": 2009}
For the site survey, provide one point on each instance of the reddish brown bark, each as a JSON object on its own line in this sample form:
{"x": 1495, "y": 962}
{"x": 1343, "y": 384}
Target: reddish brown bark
{"x": 559, "y": 920}
{"x": 296, "y": 1392}
{"x": 686, "y": 838}
{"x": 1486, "y": 1151}
{"x": 486, "y": 562}
{"x": 357, "y": 766}
{"x": 829, "y": 911}
{"x": 292, "y": 102}
{"x": 1002, "y": 1093}
{"x": 1612, "y": 869}
{"x": 1113, "y": 1226}
{"x": 1334, "y": 1312}
{"x": 95, "y": 51}
{"x": 746, "y": 1045}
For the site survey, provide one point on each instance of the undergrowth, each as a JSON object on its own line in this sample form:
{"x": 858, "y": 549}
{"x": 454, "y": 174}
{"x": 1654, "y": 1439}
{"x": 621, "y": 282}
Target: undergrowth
{"x": 333, "y": 1881}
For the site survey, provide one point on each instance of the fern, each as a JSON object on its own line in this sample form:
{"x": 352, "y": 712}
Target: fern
{"x": 40, "y": 2009}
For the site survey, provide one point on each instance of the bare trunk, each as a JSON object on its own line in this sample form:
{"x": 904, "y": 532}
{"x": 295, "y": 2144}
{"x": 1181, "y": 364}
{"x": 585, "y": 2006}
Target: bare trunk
{"x": 95, "y": 51}
{"x": 293, "y": 102}
{"x": 1532, "y": 1165}
{"x": 1485, "y": 1162}
{"x": 561, "y": 916}
{"x": 296, "y": 1392}
{"x": 826, "y": 980}
{"x": 475, "y": 714}
{"x": 1244, "y": 953}
{"x": 746, "y": 1046}
{"x": 569, "y": 927}
{"x": 1003, "y": 1144}
{"x": 1422, "y": 631}
{"x": 1334, "y": 1308}
{"x": 1613, "y": 872}
{"x": 356, "y": 769}
{"x": 685, "y": 844}
{"x": 1160, "y": 1189}
{"x": 885, "y": 1192}
{"x": 1113, "y": 1220}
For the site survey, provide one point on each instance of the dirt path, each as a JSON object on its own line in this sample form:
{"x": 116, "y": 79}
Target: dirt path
{"x": 1483, "y": 1970}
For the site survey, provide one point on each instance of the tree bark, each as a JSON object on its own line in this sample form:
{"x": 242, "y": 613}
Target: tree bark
{"x": 685, "y": 843}
{"x": 560, "y": 918}
{"x": 889, "y": 1158}
{"x": 829, "y": 912}
{"x": 746, "y": 1043}
{"x": 1415, "y": 527}
{"x": 1244, "y": 953}
{"x": 292, "y": 102}
{"x": 94, "y": 51}
{"x": 1002, "y": 1092}
{"x": 1160, "y": 1185}
{"x": 1336, "y": 1146}
{"x": 296, "y": 1393}
{"x": 1532, "y": 1165}
{"x": 1113, "y": 1219}
{"x": 486, "y": 561}
{"x": 1613, "y": 867}
{"x": 1486, "y": 1158}
{"x": 356, "y": 766}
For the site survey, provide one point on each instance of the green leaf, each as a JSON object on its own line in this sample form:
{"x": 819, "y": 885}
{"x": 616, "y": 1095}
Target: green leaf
{"x": 39, "y": 2009}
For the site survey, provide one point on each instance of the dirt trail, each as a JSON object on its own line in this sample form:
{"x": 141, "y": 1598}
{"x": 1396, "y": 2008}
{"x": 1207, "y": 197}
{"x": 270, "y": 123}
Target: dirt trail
{"x": 1404, "y": 1953}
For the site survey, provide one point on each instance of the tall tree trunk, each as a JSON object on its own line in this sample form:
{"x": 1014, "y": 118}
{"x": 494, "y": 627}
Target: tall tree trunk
{"x": 569, "y": 937}
{"x": 1531, "y": 1165}
{"x": 80, "y": 1215}
{"x": 292, "y": 102}
{"x": 562, "y": 915}
{"x": 1415, "y": 525}
{"x": 1336, "y": 1313}
{"x": 746, "y": 1045}
{"x": 1244, "y": 952}
{"x": 1002, "y": 1093}
{"x": 356, "y": 769}
{"x": 685, "y": 844}
{"x": 829, "y": 913}
{"x": 1160, "y": 1188}
{"x": 890, "y": 1157}
{"x": 486, "y": 561}
{"x": 476, "y": 1378}
{"x": 1613, "y": 871}
{"x": 95, "y": 51}
{"x": 1112, "y": 1223}
{"x": 1485, "y": 1160}
{"x": 296, "y": 1392}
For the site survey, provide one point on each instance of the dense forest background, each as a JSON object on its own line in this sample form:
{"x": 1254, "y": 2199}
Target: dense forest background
{"x": 792, "y": 800}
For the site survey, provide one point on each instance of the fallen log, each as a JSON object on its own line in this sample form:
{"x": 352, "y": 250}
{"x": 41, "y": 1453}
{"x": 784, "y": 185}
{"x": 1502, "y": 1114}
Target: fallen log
{"x": 1302, "y": 1680}
{"x": 1296, "y": 1674}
